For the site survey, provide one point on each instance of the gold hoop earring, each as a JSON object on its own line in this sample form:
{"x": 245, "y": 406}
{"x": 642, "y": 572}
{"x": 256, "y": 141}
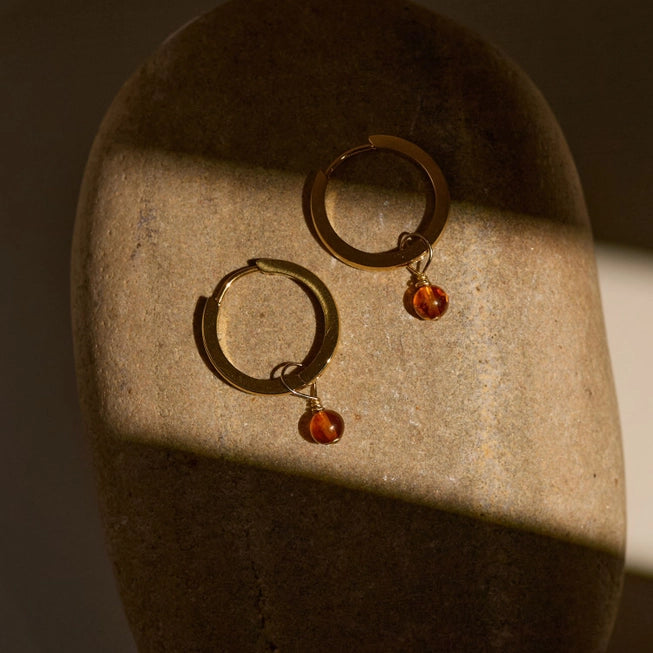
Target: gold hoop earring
{"x": 429, "y": 301}
{"x": 325, "y": 426}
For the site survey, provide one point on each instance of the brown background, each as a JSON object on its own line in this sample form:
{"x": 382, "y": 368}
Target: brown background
{"x": 60, "y": 65}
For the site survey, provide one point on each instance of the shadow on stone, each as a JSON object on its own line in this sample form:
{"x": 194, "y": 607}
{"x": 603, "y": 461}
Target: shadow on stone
{"x": 305, "y": 67}
{"x": 261, "y": 560}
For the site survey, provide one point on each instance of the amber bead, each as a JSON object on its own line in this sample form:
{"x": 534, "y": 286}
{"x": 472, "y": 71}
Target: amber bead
{"x": 430, "y": 302}
{"x": 326, "y": 426}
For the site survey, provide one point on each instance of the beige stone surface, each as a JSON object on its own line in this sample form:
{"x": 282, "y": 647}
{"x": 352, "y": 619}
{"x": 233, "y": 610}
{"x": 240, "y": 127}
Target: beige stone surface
{"x": 476, "y": 499}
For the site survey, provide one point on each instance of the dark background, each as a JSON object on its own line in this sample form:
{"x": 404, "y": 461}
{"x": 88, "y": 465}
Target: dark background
{"x": 60, "y": 65}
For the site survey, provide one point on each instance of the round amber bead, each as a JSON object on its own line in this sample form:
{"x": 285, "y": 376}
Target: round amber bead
{"x": 326, "y": 426}
{"x": 430, "y": 302}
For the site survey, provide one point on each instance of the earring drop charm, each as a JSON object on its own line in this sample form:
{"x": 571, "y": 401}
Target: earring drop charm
{"x": 430, "y": 302}
{"x": 325, "y": 426}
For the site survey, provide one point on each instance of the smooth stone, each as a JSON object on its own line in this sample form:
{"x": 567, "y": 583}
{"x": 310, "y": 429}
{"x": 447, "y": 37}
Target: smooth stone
{"x": 477, "y": 502}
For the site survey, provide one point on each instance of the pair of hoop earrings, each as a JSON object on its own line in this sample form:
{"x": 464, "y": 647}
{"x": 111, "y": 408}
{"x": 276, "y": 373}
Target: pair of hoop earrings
{"x": 414, "y": 252}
